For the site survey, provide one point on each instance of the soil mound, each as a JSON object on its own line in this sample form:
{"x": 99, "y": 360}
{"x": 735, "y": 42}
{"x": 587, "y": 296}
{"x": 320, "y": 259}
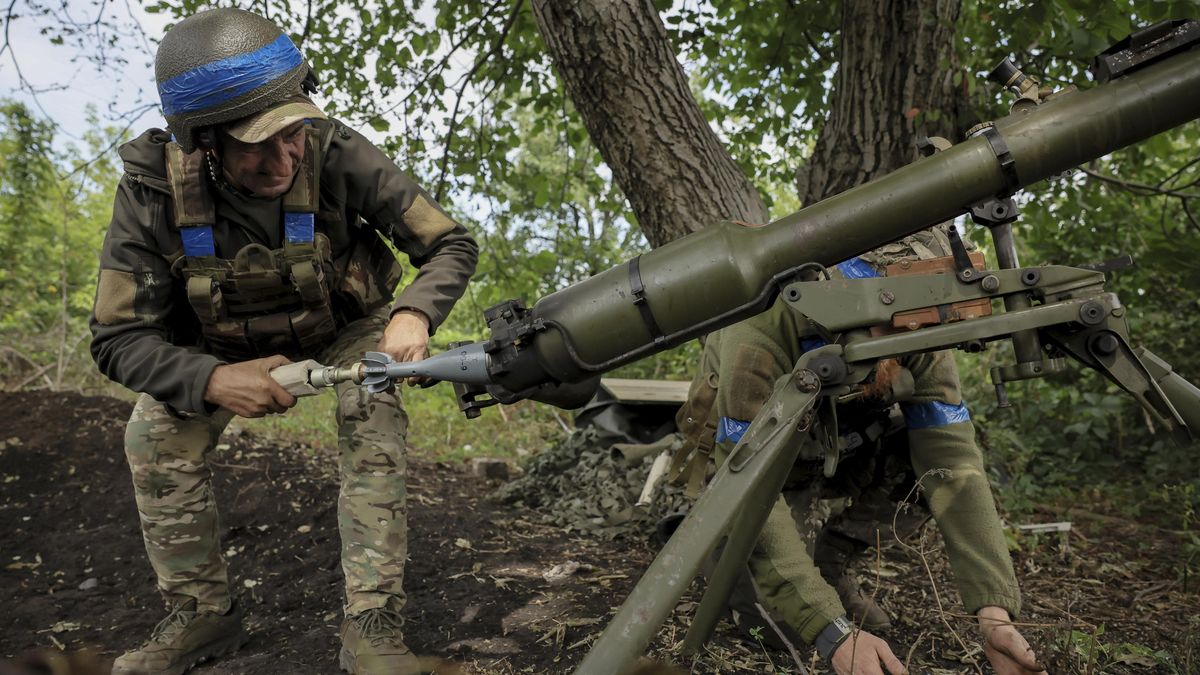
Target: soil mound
{"x": 494, "y": 587}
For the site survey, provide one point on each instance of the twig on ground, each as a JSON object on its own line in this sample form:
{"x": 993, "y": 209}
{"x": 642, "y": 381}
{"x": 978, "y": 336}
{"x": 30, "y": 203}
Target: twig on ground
{"x": 783, "y": 638}
{"x": 937, "y": 595}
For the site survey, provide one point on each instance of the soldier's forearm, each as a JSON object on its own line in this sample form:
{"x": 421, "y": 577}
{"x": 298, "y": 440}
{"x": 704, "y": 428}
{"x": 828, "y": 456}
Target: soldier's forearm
{"x": 950, "y": 467}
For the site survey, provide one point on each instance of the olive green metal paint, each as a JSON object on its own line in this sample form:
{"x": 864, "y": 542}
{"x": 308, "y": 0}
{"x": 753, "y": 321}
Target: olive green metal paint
{"x": 842, "y": 304}
{"x": 736, "y": 271}
{"x": 1182, "y": 394}
{"x": 766, "y": 451}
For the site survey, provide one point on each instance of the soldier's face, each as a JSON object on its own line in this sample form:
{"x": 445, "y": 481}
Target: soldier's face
{"x": 265, "y": 169}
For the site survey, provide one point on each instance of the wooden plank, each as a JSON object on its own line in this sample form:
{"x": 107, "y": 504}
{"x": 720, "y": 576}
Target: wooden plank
{"x": 645, "y": 391}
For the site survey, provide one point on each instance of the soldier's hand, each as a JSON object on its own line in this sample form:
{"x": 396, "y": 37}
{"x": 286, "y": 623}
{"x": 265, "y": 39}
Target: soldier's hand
{"x": 866, "y": 654}
{"x": 248, "y": 389}
{"x": 406, "y": 338}
{"x": 1005, "y": 647}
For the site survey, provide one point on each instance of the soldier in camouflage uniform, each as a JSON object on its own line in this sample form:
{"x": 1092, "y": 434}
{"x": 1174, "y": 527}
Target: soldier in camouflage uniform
{"x": 255, "y": 233}
{"x": 738, "y": 371}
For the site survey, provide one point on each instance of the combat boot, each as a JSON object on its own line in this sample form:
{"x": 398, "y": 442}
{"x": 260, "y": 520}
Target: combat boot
{"x": 832, "y": 553}
{"x": 861, "y": 609}
{"x": 183, "y": 639}
{"x": 373, "y": 645}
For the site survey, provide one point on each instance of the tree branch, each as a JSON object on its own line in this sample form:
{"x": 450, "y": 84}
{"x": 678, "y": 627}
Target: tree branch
{"x": 466, "y": 80}
{"x": 445, "y": 59}
{"x": 1177, "y": 172}
{"x": 1139, "y": 188}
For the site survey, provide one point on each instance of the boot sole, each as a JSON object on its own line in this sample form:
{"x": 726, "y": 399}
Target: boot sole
{"x": 348, "y": 663}
{"x": 194, "y": 658}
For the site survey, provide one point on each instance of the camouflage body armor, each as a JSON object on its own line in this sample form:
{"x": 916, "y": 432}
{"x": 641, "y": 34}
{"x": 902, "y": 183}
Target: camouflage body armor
{"x": 281, "y": 301}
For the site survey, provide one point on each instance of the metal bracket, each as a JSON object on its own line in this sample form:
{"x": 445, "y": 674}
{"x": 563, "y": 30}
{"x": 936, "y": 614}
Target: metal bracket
{"x": 1145, "y": 47}
{"x": 1008, "y": 166}
{"x": 1118, "y": 263}
{"x": 638, "y": 289}
{"x": 963, "y": 267}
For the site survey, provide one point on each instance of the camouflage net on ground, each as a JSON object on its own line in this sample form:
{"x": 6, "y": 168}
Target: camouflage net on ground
{"x": 578, "y": 485}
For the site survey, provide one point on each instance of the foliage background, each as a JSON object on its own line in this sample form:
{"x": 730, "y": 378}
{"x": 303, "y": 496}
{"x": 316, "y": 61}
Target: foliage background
{"x": 464, "y": 95}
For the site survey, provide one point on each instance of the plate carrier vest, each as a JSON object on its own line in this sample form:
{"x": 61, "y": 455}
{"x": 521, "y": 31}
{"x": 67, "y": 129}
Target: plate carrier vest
{"x": 263, "y": 301}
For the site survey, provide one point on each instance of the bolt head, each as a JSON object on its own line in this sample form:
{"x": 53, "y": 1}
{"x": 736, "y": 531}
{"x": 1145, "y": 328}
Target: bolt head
{"x": 1106, "y": 344}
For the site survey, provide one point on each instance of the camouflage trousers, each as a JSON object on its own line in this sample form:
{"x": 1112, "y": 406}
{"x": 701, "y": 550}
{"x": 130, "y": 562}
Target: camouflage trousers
{"x": 172, "y": 480}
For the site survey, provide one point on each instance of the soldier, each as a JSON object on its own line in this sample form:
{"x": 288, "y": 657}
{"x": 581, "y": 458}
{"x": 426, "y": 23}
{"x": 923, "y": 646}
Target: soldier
{"x": 257, "y": 231}
{"x": 738, "y": 371}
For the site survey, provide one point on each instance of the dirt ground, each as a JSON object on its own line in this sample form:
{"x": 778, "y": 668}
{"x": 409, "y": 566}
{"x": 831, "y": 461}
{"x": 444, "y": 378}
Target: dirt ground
{"x": 488, "y": 588}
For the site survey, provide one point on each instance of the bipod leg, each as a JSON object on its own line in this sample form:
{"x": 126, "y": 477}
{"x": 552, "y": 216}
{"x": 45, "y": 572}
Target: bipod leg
{"x": 751, "y": 468}
{"x": 1182, "y": 394}
{"x": 739, "y": 544}
{"x": 1106, "y": 349}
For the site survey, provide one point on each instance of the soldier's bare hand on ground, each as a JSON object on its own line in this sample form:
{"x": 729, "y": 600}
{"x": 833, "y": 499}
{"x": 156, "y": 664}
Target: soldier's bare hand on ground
{"x": 406, "y": 338}
{"x": 865, "y": 654}
{"x": 1007, "y": 650}
{"x": 248, "y": 389}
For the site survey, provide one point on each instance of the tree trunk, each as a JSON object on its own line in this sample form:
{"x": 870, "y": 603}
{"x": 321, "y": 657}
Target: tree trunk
{"x": 620, "y": 70}
{"x": 894, "y": 84}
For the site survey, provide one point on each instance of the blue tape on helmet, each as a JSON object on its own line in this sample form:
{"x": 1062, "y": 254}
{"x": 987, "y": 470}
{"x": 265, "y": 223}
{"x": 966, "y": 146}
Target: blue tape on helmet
{"x": 933, "y": 414}
{"x": 215, "y": 83}
{"x": 198, "y": 241}
{"x": 298, "y": 228}
{"x": 729, "y": 429}
{"x": 857, "y": 268}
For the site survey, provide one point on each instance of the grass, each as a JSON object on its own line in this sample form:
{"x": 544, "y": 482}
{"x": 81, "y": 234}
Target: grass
{"x": 437, "y": 430}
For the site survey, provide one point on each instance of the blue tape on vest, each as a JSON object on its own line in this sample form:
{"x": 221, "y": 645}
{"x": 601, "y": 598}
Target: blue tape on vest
{"x": 933, "y": 414}
{"x": 215, "y": 83}
{"x": 198, "y": 240}
{"x": 857, "y": 268}
{"x": 298, "y": 228}
{"x": 729, "y": 429}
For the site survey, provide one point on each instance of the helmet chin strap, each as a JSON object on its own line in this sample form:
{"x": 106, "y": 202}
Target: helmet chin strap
{"x": 309, "y": 85}
{"x": 216, "y": 171}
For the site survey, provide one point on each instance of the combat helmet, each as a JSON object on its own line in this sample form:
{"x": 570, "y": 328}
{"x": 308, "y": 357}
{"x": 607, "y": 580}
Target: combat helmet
{"x": 222, "y": 65}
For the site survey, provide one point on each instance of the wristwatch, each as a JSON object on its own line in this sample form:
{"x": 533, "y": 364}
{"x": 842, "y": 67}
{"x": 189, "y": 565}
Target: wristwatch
{"x": 832, "y": 636}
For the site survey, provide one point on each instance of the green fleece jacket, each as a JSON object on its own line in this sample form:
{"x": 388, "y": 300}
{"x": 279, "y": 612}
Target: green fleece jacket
{"x": 755, "y": 353}
{"x": 146, "y": 336}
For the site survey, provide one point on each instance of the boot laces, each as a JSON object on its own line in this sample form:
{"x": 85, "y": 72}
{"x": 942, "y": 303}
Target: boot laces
{"x": 379, "y": 626}
{"x": 181, "y": 615}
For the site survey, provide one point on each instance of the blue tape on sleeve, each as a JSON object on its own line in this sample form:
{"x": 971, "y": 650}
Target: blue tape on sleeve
{"x": 729, "y": 429}
{"x": 809, "y": 344}
{"x": 298, "y": 228}
{"x": 198, "y": 241}
{"x": 933, "y": 414}
{"x": 215, "y": 83}
{"x": 857, "y": 268}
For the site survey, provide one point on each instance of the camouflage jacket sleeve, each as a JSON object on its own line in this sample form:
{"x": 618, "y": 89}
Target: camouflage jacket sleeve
{"x": 442, "y": 250}
{"x": 136, "y": 302}
{"x": 950, "y": 466}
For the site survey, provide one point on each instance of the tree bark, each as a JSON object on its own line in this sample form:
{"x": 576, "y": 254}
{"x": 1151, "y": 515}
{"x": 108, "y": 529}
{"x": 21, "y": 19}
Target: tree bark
{"x": 620, "y": 70}
{"x": 894, "y": 84}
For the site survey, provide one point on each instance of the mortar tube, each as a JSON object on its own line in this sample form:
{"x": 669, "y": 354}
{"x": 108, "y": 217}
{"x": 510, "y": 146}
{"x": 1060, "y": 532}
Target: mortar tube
{"x": 601, "y": 323}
